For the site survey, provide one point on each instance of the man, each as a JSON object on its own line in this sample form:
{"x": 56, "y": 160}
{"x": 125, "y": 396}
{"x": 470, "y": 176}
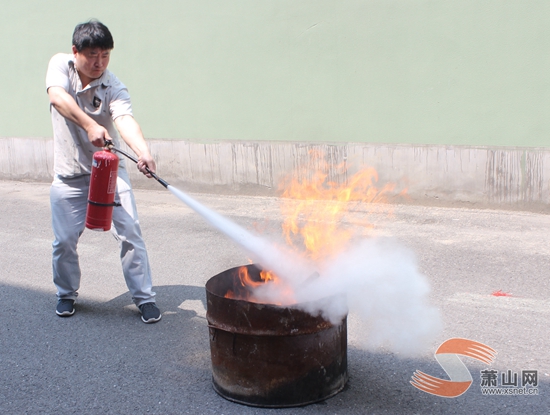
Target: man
{"x": 89, "y": 105}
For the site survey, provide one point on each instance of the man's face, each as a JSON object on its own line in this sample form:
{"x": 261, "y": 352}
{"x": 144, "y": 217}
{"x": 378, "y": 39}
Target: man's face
{"x": 91, "y": 62}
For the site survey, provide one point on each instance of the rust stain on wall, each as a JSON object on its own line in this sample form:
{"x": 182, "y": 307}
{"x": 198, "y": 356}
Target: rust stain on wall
{"x": 514, "y": 176}
{"x": 533, "y": 179}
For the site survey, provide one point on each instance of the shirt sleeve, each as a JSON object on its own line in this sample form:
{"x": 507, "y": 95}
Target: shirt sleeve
{"x": 120, "y": 103}
{"x": 58, "y": 72}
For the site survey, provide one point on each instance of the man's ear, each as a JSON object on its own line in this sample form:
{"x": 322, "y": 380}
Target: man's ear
{"x": 74, "y": 50}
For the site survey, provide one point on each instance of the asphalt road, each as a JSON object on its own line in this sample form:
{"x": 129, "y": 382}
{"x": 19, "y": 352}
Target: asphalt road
{"x": 104, "y": 360}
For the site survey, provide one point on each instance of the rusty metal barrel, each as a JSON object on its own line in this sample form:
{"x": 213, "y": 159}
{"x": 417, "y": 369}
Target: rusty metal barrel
{"x": 271, "y": 356}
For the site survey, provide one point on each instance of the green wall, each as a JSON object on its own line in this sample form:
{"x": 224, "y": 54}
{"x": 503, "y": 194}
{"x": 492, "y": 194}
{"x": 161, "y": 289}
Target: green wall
{"x": 457, "y": 72}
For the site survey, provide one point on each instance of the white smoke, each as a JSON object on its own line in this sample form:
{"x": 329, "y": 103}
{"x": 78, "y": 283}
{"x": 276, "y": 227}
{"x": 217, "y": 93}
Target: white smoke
{"x": 376, "y": 279}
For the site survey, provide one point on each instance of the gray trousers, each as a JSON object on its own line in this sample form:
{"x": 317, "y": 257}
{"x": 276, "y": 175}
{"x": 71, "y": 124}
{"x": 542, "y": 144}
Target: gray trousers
{"x": 68, "y": 198}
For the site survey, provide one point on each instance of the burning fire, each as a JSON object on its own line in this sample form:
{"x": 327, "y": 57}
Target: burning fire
{"x": 315, "y": 215}
{"x": 247, "y": 281}
{"x": 245, "y": 284}
{"x": 314, "y": 211}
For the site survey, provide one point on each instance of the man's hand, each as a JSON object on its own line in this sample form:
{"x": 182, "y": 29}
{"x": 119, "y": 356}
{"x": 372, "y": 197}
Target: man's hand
{"x": 97, "y": 135}
{"x": 145, "y": 161}
{"x": 68, "y": 108}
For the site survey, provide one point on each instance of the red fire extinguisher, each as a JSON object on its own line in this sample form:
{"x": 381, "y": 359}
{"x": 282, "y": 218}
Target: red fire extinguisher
{"x": 101, "y": 197}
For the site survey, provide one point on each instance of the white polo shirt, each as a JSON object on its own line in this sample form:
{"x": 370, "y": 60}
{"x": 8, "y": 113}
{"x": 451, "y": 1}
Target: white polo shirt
{"x": 104, "y": 99}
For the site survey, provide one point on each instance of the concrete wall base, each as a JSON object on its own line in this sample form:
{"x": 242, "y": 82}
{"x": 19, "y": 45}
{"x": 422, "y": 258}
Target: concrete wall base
{"x": 495, "y": 177}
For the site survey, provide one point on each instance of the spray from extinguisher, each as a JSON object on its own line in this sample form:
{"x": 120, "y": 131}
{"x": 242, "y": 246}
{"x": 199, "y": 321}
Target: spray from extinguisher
{"x": 101, "y": 196}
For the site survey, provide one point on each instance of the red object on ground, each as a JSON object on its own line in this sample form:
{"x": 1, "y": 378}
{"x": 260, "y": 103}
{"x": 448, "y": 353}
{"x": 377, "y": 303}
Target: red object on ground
{"x": 101, "y": 195}
{"x": 501, "y": 293}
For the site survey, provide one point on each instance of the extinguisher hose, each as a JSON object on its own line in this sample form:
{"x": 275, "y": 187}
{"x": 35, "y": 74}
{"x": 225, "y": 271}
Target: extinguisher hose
{"x": 109, "y": 145}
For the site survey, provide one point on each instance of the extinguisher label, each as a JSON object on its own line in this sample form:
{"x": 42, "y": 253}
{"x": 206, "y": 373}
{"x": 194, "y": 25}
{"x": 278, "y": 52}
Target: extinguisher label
{"x": 112, "y": 182}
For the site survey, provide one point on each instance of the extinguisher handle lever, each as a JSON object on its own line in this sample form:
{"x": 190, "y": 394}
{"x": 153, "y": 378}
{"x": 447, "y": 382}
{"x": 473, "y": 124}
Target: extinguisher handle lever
{"x": 108, "y": 144}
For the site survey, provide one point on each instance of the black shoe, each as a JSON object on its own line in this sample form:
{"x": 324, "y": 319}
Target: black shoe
{"x": 65, "y": 308}
{"x": 149, "y": 313}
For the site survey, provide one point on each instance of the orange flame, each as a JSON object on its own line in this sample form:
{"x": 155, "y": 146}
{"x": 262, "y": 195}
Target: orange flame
{"x": 314, "y": 211}
{"x": 315, "y": 214}
{"x": 245, "y": 285}
{"x": 247, "y": 281}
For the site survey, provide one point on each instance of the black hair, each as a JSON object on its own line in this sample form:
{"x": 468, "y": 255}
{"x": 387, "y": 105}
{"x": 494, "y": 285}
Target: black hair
{"x": 92, "y": 34}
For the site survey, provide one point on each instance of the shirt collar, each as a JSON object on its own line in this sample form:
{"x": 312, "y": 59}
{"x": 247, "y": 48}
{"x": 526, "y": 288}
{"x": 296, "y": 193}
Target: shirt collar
{"x": 104, "y": 79}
